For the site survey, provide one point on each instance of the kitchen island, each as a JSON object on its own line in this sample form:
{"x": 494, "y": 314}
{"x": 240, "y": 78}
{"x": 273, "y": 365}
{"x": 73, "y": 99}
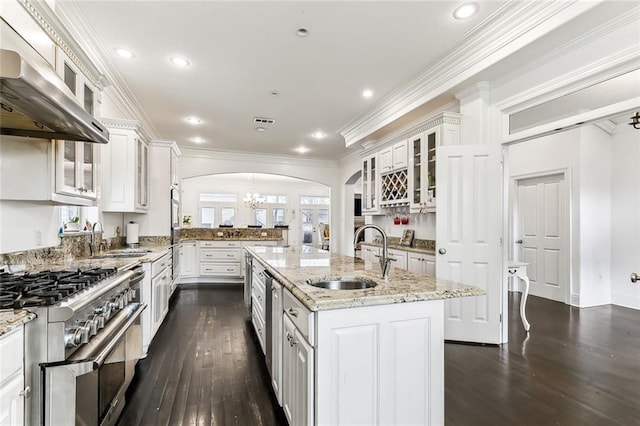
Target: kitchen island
{"x": 368, "y": 356}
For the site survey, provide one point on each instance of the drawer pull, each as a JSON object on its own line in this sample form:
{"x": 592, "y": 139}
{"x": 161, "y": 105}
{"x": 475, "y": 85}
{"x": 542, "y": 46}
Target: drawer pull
{"x": 231, "y": 255}
{"x": 293, "y": 312}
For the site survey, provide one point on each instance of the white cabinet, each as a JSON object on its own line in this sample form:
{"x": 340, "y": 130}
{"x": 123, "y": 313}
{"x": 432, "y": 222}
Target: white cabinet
{"x": 298, "y": 376}
{"x": 369, "y": 253}
{"x": 276, "y": 338}
{"x": 76, "y": 171}
{"x": 155, "y": 291}
{"x": 381, "y": 365}
{"x": 400, "y": 258}
{"x": 370, "y": 184}
{"x": 42, "y": 170}
{"x": 422, "y": 264}
{"x": 258, "y": 302}
{"x": 125, "y": 168}
{"x": 12, "y": 389}
{"x": 393, "y": 157}
{"x": 188, "y": 259}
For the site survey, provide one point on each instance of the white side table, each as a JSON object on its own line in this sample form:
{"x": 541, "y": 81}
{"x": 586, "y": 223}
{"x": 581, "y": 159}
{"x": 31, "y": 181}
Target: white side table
{"x": 519, "y": 269}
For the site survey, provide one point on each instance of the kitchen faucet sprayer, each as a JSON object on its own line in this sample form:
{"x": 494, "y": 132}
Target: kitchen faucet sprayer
{"x": 385, "y": 260}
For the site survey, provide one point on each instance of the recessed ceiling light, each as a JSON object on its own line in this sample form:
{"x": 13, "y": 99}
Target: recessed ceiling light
{"x": 197, "y": 139}
{"x": 179, "y": 61}
{"x": 302, "y": 32}
{"x": 301, "y": 149}
{"x": 260, "y": 129}
{"x": 465, "y": 11}
{"x": 193, "y": 120}
{"x": 124, "y": 53}
{"x": 319, "y": 135}
{"x": 367, "y": 93}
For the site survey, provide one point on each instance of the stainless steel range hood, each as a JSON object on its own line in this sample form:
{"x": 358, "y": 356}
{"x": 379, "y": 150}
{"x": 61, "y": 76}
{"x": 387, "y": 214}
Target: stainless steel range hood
{"x": 36, "y": 103}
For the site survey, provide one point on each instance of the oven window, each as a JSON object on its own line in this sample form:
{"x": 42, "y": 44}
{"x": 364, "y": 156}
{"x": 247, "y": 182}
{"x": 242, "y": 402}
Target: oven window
{"x": 111, "y": 378}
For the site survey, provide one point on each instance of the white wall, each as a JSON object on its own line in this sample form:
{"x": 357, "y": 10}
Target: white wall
{"x": 585, "y": 155}
{"x": 625, "y": 217}
{"x": 22, "y": 221}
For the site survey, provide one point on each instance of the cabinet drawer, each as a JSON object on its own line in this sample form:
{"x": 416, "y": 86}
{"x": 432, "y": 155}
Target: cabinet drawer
{"x": 225, "y": 269}
{"x": 300, "y": 315}
{"x": 220, "y": 244}
{"x": 11, "y": 353}
{"x": 160, "y": 265}
{"x": 232, "y": 255}
{"x": 259, "y": 327}
{"x": 258, "y": 294}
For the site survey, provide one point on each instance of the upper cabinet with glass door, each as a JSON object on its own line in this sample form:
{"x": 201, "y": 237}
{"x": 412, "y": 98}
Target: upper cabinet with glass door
{"x": 370, "y": 184}
{"x": 76, "y": 171}
{"x": 125, "y": 170}
{"x": 442, "y": 130}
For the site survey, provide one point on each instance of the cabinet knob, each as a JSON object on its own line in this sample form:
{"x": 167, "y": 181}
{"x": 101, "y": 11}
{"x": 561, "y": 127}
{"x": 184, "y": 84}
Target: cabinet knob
{"x": 519, "y": 242}
{"x": 292, "y": 312}
{"x": 635, "y": 277}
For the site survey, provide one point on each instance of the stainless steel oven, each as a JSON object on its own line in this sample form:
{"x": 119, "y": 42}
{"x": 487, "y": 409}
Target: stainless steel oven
{"x": 88, "y": 387}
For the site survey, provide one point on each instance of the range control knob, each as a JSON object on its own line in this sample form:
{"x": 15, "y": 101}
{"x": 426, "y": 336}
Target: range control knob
{"x": 85, "y": 334}
{"x": 93, "y": 325}
{"x": 99, "y": 317}
{"x": 73, "y": 337}
{"x": 121, "y": 301}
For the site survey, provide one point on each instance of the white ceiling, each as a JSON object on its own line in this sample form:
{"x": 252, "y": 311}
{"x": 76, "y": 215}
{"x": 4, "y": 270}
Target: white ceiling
{"x": 241, "y": 51}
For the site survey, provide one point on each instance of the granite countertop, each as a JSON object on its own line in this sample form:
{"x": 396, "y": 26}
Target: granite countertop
{"x": 121, "y": 263}
{"x": 293, "y": 266}
{"x": 12, "y": 319}
{"x": 399, "y": 247}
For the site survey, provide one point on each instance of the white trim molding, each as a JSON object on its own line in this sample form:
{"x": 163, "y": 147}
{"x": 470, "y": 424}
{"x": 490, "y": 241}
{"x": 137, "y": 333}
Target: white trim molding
{"x": 262, "y": 158}
{"x": 512, "y": 27}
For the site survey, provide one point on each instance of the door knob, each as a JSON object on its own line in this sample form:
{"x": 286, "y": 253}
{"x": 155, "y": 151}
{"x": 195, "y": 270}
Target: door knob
{"x": 635, "y": 277}
{"x": 519, "y": 242}
{"x": 442, "y": 251}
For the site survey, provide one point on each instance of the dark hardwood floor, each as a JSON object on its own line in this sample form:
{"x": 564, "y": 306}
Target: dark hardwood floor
{"x": 577, "y": 367}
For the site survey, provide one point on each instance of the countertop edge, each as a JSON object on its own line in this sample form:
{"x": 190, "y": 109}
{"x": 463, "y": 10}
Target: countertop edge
{"x": 362, "y": 300}
{"x": 11, "y": 319}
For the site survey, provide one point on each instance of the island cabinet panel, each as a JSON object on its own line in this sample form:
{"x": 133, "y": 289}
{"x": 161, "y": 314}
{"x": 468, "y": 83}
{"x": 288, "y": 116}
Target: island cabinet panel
{"x": 381, "y": 365}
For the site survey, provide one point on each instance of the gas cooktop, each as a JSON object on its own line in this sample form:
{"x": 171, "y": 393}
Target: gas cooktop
{"x": 47, "y": 287}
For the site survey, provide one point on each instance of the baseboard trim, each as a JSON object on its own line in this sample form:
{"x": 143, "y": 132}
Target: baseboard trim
{"x": 625, "y": 300}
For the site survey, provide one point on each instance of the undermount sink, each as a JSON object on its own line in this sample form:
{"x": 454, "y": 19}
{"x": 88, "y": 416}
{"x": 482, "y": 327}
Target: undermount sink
{"x": 343, "y": 283}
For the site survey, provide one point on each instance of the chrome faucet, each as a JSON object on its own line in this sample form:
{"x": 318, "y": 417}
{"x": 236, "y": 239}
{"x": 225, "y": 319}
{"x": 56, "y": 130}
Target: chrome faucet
{"x": 93, "y": 245}
{"x": 385, "y": 260}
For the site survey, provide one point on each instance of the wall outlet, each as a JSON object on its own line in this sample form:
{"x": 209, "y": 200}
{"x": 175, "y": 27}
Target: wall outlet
{"x": 220, "y": 234}
{"x": 38, "y": 238}
{"x": 263, "y": 234}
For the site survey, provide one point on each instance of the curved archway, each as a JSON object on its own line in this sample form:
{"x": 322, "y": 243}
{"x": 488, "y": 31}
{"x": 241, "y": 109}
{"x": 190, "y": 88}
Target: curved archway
{"x": 205, "y": 196}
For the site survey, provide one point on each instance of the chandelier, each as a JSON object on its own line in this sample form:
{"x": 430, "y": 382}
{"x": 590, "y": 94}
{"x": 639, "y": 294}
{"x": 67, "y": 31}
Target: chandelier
{"x": 253, "y": 200}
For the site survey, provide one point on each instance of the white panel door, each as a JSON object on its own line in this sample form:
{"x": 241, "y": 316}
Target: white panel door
{"x": 540, "y": 223}
{"x": 468, "y": 232}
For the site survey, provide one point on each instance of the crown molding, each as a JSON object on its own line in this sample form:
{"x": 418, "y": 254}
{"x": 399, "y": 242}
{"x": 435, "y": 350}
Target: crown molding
{"x": 76, "y": 22}
{"x": 632, "y": 16}
{"x": 47, "y": 19}
{"x": 124, "y": 124}
{"x": 616, "y": 64}
{"x": 166, "y": 144}
{"x": 255, "y": 157}
{"x": 607, "y": 126}
{"x": 509, "y": 29}
{"x": 480, "y": 87}
{"x": 415, "y": 128}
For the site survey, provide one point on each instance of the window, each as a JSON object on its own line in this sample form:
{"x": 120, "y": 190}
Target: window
{"x": 277, "y": 217}
{"x": 227, "y": 216}
{"x": 218, "y": 198}
{"x": 207, "y": 217}
{"x": 260, "y": 217}
{"x": 217, "y": 209}
{"x": 305, "y": 199}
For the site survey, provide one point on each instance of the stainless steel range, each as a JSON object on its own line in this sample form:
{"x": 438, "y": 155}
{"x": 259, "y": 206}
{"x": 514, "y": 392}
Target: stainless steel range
{"x": 81, "y": 350}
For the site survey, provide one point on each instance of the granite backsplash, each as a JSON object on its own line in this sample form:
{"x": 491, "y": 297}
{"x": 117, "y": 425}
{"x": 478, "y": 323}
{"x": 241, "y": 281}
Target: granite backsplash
{"x": 72, "y": 246}
{"x": 249, "y": 234}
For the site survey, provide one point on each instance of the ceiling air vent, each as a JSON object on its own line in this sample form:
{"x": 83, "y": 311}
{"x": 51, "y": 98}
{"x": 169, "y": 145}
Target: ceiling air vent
{"x": 261, "y": 121}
